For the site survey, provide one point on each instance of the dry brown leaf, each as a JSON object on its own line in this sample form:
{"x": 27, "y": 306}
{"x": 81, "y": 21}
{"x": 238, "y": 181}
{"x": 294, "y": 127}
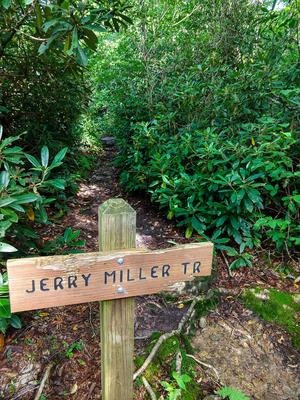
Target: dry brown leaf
{"x": 74, "y": 388}
{"x": 2, "y": 341}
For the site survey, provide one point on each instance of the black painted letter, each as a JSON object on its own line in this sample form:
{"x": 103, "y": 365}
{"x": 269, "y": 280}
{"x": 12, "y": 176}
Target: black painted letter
{"x": 154, "y": 272}
{"x": 43, "y": 285}
{"x": 185, "y": 267}
{"x": 86, "y": 279}
{"x": 58, "y": 283}
{"x": 33, "y": 287}
{"x": 107, "y": 275}
{"x": 128, "y": 276}
{"x": 165, "y": 270}
{"x": 140, "y": 274}
{"x": 72, "y": 281}
{"x": 196, "y": 267}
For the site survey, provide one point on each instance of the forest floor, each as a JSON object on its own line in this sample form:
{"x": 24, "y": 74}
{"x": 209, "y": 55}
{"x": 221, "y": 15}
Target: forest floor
{"x": 248, "y": 353}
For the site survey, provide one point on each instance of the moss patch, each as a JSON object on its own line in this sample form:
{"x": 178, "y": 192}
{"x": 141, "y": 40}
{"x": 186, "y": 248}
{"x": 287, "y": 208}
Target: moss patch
{"x": 275, "y": 306}
{"x": 165, "y": 362}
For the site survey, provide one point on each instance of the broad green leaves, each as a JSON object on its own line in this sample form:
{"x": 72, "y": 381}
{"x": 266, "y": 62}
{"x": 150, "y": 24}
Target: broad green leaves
{"x": 231, "y": 393}
{"x": 228, "y": 204}
{"x": 70, "y": 28}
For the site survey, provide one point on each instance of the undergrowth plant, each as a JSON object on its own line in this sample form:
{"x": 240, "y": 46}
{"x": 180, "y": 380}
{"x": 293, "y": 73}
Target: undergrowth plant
{"x": 242, "y": 189}
{"x": 207, "y": 119}
{"x": 230, "y": 393}
{"x": 25, "y": 195}
{"x": 176, "y": 387}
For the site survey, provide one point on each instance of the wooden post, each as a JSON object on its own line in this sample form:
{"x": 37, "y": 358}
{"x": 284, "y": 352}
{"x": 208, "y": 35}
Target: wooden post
{"x": 117, "y": 231}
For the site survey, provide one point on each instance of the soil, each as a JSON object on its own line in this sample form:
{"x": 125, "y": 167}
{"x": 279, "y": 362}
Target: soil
{"x": 248, "y": 354}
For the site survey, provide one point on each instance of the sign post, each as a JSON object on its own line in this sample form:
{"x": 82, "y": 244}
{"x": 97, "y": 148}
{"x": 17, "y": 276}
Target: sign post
{"x": 117, "y": 231}
{"x": 114, "y": 276}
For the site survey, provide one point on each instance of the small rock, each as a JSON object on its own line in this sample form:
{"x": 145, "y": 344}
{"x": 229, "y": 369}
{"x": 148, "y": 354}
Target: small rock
{"x": 108, "y": 141}
{"x": 202, "y": 322}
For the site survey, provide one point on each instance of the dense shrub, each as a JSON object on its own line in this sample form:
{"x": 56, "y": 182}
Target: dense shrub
{"x": 26, "y": 191}
{"x": 226, "y": 187}
{"x": 204, "y": 100}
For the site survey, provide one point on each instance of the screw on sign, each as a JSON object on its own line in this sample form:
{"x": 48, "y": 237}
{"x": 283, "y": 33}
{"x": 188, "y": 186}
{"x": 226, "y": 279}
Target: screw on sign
{"x": 113, "y": 276}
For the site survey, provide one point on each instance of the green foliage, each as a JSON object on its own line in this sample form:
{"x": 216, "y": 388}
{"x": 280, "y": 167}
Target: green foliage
{"x": 230, "y": 393}
{"x": 74, "y": 347}
{"x": 165, "y": 358}
{"x": 207, "y": 118}
{"x": 175, "y": 388}
{"x": 278, "y": 307}
{"x": 68, "y": 27}
{"x": 25, "y": 194}
{"x": 44, "y": 49}
{"x": 64, "y": 244}
{"x": 6, "y": 318}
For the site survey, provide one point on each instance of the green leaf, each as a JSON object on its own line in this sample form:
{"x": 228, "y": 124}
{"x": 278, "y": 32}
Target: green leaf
{"x": 6, "y": 4}
{"x": 81, "y": 57}
{"x": 231, "y": 393}
{"x": 220, "y": 221}
{"x": 3, "y": 325}
{"x": 75, "y": 38}
{"x": 15, "y": 322}
{"x": 57, "y": 183}
{"x": 96, "y": 28}
{"x": 39, "y": 16}
{"x": 90, "y": 39}
{"x": 33, "y": 160}
{"x": 26, "y": 198}
{"x": 254, "y": 195}
{"x": 45, "y": 156}
{"x": 67, "y": 234}
{"x": 7, "y": 248}
{"x": 59, "y": 156}
{"x": 49, "y": 24}
{"x": 196, "y": 224}
{"x": 5, "y": 201}
{"x": 10, "y": 214}
{"x": 4, "y": 308}
{"x": 17, "y": 207}
{"x": 1, "y": 131}
{"x": 45, "y": 45}
{"x": 188, "y": 231}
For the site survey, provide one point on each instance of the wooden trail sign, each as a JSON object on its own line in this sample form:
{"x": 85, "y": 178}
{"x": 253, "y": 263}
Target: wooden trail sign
{"x": 116, "y": 275}
{"x": 62, "y": 280}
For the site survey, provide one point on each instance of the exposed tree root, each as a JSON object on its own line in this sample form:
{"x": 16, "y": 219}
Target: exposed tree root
{"x": 166, "y": 336}
{"x": 207, "y": 366}
{"x": 149, "y": 389}
{"x": 43, "y": 382}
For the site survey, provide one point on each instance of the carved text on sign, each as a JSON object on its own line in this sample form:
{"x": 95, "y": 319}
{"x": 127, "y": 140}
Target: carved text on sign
{"x": 61, "y": 280}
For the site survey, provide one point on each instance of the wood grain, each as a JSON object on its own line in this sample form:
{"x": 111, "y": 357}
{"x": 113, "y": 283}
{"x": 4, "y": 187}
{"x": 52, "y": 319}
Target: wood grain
{"x": 101, "y": 285}
{"x": 117, "y": 230}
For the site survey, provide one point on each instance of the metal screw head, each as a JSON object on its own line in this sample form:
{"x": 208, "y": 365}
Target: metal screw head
{"x": 120, "y": 261}
{"x": 120, "y": 290}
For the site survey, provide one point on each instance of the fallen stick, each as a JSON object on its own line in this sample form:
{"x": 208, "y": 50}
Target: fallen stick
{"x": 92, "y": 388}
{"x": 149, "y": 389}
{"x": 178, "y": 362}
{"x": 43, "y": 382}
{"x": 207, "y": 366}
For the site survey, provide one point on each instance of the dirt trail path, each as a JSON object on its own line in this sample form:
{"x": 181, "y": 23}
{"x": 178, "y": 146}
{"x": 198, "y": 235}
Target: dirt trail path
{"x": 247, "y": 353}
